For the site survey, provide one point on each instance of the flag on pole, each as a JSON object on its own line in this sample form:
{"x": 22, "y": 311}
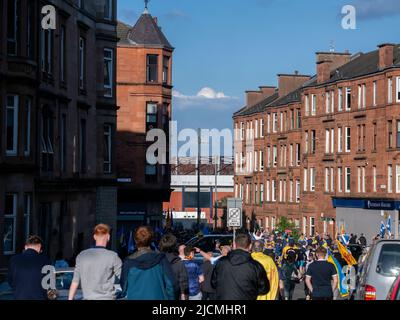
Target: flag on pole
{"x": 382, "y": 230}
{"x": 389, "y": 226}
{"x": 346, "y": 254}
{"x": 343, "y": 290}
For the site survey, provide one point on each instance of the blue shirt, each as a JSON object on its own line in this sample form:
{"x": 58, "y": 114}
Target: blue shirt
{"x": 194, "y": 272}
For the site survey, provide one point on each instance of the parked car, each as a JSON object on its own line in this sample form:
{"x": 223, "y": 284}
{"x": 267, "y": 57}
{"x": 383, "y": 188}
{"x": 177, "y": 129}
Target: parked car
{"x": 394, "y": 293}
{"x": 208, "y": 243}
{"x": 380, "y": 268}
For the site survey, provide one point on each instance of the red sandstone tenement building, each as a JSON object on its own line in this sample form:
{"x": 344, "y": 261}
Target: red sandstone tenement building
{"x": 144, "y": 94}
{"x": 326, "y": 148}
{"x": 57, "y": 124}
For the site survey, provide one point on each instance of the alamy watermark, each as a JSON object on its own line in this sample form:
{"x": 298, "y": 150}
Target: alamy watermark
{"x": 349, "y": 20}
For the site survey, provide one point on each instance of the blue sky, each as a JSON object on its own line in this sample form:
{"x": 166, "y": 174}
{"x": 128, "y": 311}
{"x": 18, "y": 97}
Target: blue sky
{"x": 224, "y": 47}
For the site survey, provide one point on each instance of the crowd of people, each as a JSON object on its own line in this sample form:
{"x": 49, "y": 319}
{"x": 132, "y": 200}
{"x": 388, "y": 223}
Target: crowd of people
{"x": 256, "y": 266}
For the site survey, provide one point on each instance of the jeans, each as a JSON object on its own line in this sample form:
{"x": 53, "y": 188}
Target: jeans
{"x": 289, "y": 290}
{"x": 196, "y": 297}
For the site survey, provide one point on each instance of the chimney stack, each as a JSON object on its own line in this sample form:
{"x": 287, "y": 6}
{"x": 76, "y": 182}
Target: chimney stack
{"x": 255, "y": 96}
{"x": 386, "y": 55}
{"x": 328, "y": 62}
{"x": 324, "y": 68}
{"x": 290, "y": 82}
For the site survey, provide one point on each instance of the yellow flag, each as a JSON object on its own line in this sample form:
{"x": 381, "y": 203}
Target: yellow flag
{"x": 346, "y": 254}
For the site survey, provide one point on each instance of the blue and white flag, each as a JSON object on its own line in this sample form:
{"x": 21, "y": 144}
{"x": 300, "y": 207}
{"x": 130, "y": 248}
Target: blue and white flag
{"x": 345, "y": 239}
{"x": 382, "y": 230}
{"x": 389, "y": 225}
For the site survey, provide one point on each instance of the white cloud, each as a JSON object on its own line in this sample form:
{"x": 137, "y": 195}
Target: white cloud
{"x": 204, "y": 93}
{"x": 207, "y": 99}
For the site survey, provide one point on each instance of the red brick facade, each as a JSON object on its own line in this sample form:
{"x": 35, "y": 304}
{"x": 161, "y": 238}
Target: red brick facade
{"x": 328, "y": 149}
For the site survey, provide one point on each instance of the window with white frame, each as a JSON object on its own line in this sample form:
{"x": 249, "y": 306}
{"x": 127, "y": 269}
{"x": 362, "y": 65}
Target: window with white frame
{"x": 340, "y": 99}
{"x": 363, "y": 180}
{"x": 374, "y": 173}
{"x": 339, "y": 179}
{"x": 327, "y": 141}
{"x": 268, "y": 123}
{"x": 397, "y": 178}
{"x": 347, "y": 181}
{"x": 274, "y": 122}
{"x": 332, "y": 179}
{"x": 348, "y": 99}
{"x": 261, "y": 154}
{"x": 305, "y": 177}
{"x": 280, "y": 190}
{"x": 291, "y": 185}
{"x": 291, "y": 155}
{"x": 284, "y": 190}
{"x": 327, "y": 102}
{"x": 268, "y": 190}
{"x": 307, "y": 105}
{"x": 261, "y": 128}
{"x": 374, "y": 90}
{"x": 9, "y": 223}
{"x": 273, "y": 223}
{"x": 364, "y": 96}
{"x": 256, "y": 129}
{"x": 298, "y": 151}
{"x": 46, "y": 50}
{"x": 340, "y": 140}
{"x": 269, "y": 156}
{"x": 297, "y": 191}
{"x": 390, "y": 179}
{"x": 242, "y": 131}
{"x": 273, "y": 190}
{"x": 359, "y": 96}
{"x": 327, "y": 179}
{"x": 262, "y": 193}
{"x": 390, "y": 90}
{"x": 275, "y": 156}
{"x": 312, "y": 179}
{"x": 332, "y": 141}
{"x": 398, "y": 89}
{"x": 332, "y": 101}
{"x": 281, "y": 126}
{"x": 313, "y": 104}
{"x": 12, "y": 125}
{"x": 255, "y": 161}
{"x": 347, "y": 139}
{"x": 108, "y": 72}
{"x": 305, "y": 225}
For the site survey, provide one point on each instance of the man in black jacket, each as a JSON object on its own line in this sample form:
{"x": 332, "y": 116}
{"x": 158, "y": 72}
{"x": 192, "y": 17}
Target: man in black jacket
{"x": 168, "y": 245}
{"x": 237, "y": 276}
{"x": 25, "y": 271}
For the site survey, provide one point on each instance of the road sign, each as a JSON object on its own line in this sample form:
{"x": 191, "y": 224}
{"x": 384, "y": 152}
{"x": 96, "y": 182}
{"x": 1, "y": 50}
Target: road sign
{"x": 234, "y": 218}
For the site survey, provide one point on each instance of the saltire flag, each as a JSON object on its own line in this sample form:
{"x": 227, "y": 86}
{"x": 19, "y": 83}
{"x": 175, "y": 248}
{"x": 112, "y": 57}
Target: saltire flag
{"x": 343, "y": 289}
{"x": 344, "y": 239}
{"x": 382, "y": 230}
{"x": 389, "y": 226}
{"x": 131, "y": 245}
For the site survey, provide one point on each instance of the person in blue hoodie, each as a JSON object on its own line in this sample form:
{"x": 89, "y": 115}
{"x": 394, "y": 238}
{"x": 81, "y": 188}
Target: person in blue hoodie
{"x": 147, "y": 275}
